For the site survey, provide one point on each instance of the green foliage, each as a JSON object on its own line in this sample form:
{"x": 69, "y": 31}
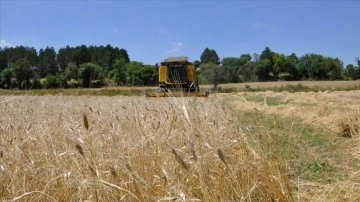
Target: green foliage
{"x": 6, "y": 76}
{"x": 246, "y": 66}
{"x": 317, "y": 67}
{"x": 81, "y": 55}
{"x": 90, "y": 72}
{"x": 264, "y": 70}
{"x": 352, "y": 72}
{"x": 64, "y": 57}
{"x": 267, "y": 66}
{"x": 71, "y": 72}
{"x": 51, "y": 82}
{"x": 3, "y": 59}
{"x": 232, "y": 65}
{"x": 138, "y": 74}
{"x": 209, "y": 56}
{"x": 47, "y": 62}
{"x": 213, "y": 74}
{"x": 62, "y": 81}
{"x": 22, "y": 72}
{"x": 118, "y": 74}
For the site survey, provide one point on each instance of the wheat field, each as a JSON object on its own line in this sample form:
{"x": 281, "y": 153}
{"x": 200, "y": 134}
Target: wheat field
{"x": 65, "y": 148}
{"x": 244, "y": 146}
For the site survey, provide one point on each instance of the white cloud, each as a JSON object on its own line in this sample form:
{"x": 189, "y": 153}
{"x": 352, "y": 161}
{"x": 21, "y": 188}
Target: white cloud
{"x": 4, "y": 43}
{"x": 264, "y": 26}
{"x": 175, "y": 47}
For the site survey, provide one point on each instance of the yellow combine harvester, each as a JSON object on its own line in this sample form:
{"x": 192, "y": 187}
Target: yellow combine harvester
{"x": 177, "y": 79}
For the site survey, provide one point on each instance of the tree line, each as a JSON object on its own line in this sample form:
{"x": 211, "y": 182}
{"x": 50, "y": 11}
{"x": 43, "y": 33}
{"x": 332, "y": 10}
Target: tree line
{"x": 273, "y": 66}
{"x": 96, "y": 66}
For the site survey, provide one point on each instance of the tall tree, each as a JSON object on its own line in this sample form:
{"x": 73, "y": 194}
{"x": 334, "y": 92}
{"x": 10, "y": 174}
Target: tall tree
{"x": 123, "y": 55}
{"x": 213, "y": 74}
{"x": 64, "y": 57}
{"x": 118, "y": 73}
{"x": 3, "y": 59}
{"x": 246, "y": 66}
{"x": 266, "y": 54}
{"x": 6, "y": 76}
{"x": 232, "y": 66}
{"x": 22, "y": 52}
{"x": 89, "y": 72}
{"x": 23, "y": 72}
{"x": 209, "y": 56}
{"x": 47, "y": 62}
{"x": 81, "y": 55}
{"x": 352, "y": 72}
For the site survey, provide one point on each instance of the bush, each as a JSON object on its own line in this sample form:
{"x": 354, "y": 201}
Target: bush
{"x": 6, "y": 76}
{"x": 51, "y": 82}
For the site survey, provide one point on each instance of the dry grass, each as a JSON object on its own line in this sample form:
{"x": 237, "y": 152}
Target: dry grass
{"x": 336, "y": 114}
{"x": 319, "y": 85}
{"x": 56, "y": 148}
{"x": 65, "y": 148}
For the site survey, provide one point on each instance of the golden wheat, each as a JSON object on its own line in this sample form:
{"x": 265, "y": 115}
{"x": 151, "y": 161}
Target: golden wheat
{"x": 138, "y": 149}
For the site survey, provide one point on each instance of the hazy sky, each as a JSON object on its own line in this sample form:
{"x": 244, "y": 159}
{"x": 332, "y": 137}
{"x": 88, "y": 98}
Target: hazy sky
{"x": 150, "y": 30}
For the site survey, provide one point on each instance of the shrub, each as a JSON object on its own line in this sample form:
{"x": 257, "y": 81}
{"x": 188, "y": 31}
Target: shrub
{"x": 51, "y": 82}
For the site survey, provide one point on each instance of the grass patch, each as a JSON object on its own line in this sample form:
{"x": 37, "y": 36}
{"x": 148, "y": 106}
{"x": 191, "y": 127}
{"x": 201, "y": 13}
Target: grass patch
{"x": 305, "y": 150}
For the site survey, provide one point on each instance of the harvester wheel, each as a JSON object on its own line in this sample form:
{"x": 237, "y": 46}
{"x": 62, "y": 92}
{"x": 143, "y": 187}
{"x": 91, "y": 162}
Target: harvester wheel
{"x": 161, "y": 90}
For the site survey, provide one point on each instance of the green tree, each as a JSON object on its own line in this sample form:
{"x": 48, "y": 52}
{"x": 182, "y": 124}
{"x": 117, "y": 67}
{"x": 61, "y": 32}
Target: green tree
{"x": 352, "y": 72}
{"x": 280, "y": 63}
{"x": 292, "y": 62}
{"x": 263, "y": 70}
{"x": 64, "y": 57}
{"x": 213, "y": 74}
{"x": 6, "y": 76}
{"x": 51, "y": 81}
{"x": 118, "y": 73}
{"x": 89, "y": 73}
{"x": 81, "y": 55}
{"x": 71, "y": 72}
{"x": 317, "y": 67}
{"x": 133, "y": 71}
{"x": 47, "y": 62}
{"x": 246, "y": 66}
{"x": 232, "y": 66}
{"x": 148, "y": 75}
{"x": 3, "y": 59}
{"x": 21, "y": 52}
{"x": 22, "y": 72}
{"x": 123, "y": 55}
{"x": 308, "y": 66}
{"x": 209, "y": 56}
{"x": 334, "y": 68}
{"x": 266, "y": 54}
{"x": 196, "y": 63}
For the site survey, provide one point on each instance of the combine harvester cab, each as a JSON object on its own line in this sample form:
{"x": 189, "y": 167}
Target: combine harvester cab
{"x": 177, "y": 78}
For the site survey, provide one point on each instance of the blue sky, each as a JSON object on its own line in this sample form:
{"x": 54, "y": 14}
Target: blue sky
{"x": 150, "y": 30}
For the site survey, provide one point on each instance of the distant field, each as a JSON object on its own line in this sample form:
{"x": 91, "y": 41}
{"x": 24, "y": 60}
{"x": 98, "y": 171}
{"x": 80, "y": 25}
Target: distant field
{"x": 290, "y": 86}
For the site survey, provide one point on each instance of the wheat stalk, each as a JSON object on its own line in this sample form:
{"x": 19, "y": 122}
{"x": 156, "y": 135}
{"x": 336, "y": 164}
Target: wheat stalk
{"x": 180, "y": 160}
{"x": 85, "y": 121}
